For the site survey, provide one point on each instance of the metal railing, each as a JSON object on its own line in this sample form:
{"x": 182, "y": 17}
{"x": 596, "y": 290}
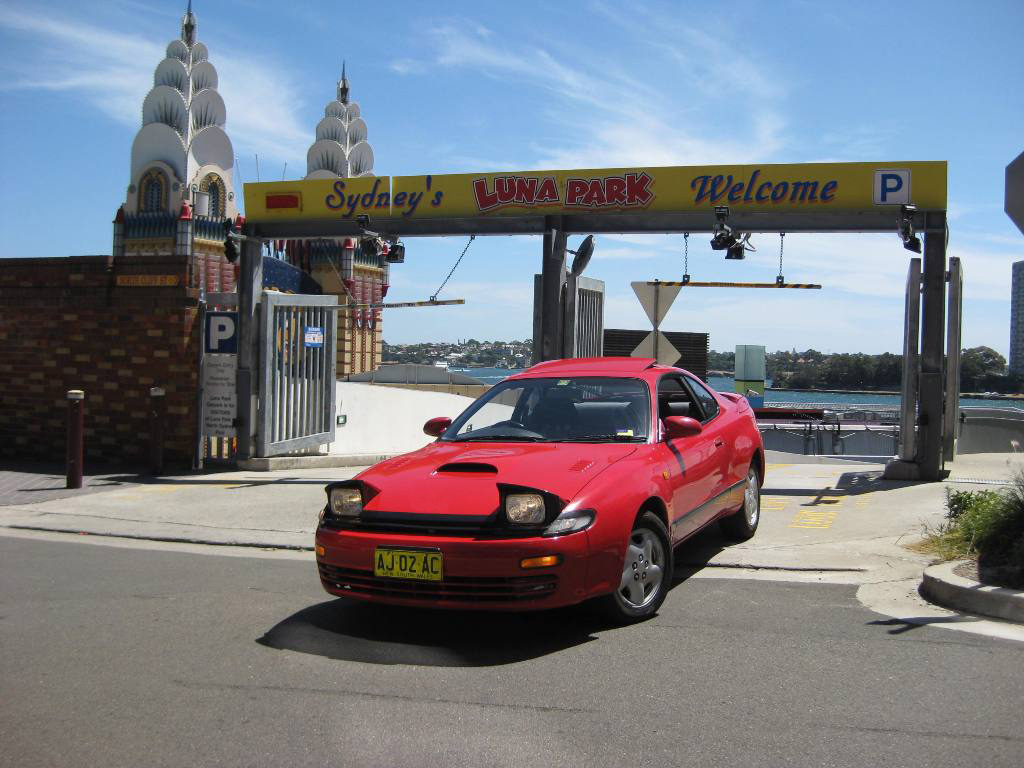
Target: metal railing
{"x": 297, "y": 372}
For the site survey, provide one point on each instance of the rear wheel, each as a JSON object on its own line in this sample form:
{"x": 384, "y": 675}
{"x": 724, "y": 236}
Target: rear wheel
{"x": 742, "y": 524}
{"x": 646, "y": 572}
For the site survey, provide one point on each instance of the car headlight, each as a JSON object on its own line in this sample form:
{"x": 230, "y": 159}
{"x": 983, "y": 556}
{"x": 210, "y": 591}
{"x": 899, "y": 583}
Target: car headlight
{"x": 525, "y": 508}
{"x": 346, "y": 502}
{"x": 570, "y": 522}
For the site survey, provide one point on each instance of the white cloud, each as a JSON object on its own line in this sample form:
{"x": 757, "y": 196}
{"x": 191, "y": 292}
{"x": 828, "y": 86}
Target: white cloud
{"x": 616, "y": 119}
{"x": 113, "y": 72}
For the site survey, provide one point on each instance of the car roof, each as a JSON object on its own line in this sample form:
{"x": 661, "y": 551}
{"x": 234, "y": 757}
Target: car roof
{"x": 631, "y": 367}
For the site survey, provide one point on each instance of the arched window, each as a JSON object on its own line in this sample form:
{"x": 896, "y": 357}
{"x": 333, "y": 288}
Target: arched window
{"x": 215, "y": 200}
{"x": 153, "y": 191}
{"x": 214, "y": 187}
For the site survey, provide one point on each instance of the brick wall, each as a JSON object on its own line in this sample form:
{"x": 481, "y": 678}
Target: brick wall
{"x": 65, "y": 324}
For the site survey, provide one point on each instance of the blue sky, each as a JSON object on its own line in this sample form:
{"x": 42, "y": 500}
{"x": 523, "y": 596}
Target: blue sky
{"x": 459, "y": 87}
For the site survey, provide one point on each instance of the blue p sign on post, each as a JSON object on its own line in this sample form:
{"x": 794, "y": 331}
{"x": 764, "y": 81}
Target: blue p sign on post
{"x": 892, "y": 187}
{"x": 221, "y": 333}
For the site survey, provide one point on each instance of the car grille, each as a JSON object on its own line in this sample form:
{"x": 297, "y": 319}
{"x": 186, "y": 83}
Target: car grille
{"x": 430, "y": 525}
{"x": 454, "y": 588}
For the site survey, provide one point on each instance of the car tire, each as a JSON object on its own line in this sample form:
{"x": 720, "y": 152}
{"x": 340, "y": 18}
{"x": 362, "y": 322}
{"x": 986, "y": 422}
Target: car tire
{"x": 742, "y": 524}
{"x": 646, "y": 572}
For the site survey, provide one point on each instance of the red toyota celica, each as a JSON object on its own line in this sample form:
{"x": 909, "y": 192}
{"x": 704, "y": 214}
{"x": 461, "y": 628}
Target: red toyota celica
{"x": 570, "y": 481}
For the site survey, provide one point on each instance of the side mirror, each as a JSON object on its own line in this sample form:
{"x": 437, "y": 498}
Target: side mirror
{"x": 436, "y": 426}
{"x": 681, "y": 426}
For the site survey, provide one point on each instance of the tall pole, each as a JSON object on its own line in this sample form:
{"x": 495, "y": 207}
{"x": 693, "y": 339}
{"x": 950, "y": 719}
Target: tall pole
{"x": 76, "y": 409}
{"x": 552, "y": 277}
{"x": 933, "y": 327}
{"x": 250, "y": 290}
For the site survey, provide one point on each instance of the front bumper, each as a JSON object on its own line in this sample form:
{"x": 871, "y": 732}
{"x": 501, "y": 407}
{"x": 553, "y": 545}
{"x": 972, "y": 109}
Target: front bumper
{"x": 477, "y": 573}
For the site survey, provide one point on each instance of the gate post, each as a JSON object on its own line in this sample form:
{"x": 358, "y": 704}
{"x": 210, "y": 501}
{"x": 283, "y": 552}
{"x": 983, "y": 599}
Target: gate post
{"x": 250, "y": 290}
{"x": 933, "y": 335}
{"x": 552, "y": 279}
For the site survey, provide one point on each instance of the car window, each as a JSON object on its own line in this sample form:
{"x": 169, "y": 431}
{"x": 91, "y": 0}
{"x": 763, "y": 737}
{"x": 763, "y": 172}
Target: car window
{"x": 708, "y": 403}
{"x": 674, "y": 398}
{"x": 581, "y": 409}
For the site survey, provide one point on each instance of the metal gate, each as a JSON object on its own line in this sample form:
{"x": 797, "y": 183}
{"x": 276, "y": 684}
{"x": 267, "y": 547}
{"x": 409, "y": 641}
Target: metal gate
{"x": 298, "y": 354}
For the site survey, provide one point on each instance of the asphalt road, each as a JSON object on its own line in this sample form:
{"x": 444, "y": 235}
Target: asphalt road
{"x": 141, "y": 657}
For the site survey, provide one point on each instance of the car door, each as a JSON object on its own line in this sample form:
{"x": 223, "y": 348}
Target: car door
{"x": 690, "y": 463}
{"x": 714, "y": 419}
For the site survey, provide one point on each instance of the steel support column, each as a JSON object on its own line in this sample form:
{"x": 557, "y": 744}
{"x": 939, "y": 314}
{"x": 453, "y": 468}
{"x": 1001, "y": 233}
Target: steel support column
{"x": 933, "y": 335}
{"x": 552, "y": 279}
{"x": 951, "y": 424}
{"x": 250, "y": 291}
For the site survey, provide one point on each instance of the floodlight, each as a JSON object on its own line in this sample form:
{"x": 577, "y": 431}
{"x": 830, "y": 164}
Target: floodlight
{"x": 906, "y": 228}
{"x": 582, "y": 256}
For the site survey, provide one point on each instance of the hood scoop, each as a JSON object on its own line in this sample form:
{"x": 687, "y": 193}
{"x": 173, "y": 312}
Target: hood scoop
{"x": 469, "y": 467}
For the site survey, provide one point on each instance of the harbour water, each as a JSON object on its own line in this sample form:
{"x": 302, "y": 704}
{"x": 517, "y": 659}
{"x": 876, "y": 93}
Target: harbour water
{"x": 725, "y": 384}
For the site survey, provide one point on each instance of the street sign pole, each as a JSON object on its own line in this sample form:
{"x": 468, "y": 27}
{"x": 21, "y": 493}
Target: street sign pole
{"x": 250, "y": 289}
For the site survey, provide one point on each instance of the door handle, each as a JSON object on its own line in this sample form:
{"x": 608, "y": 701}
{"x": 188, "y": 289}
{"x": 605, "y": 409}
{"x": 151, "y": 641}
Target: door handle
{"x": 719, "y": 442}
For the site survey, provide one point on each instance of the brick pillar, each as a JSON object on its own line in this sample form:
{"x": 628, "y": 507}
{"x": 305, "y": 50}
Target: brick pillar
{"x": 118, "y": 248}
{"x": 183, "y": 242}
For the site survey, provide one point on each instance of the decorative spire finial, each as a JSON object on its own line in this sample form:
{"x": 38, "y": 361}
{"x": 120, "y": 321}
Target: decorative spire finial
{"x": 188, "y": 26}
{"x": 343, "y": 85}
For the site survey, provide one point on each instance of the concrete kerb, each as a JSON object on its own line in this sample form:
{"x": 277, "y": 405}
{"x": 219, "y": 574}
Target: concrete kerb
{"x": 312, "y": 462}
{"x": 942, "y": 586}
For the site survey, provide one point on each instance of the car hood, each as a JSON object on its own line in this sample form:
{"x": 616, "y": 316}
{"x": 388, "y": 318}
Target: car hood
{"x": 462, "y": 478}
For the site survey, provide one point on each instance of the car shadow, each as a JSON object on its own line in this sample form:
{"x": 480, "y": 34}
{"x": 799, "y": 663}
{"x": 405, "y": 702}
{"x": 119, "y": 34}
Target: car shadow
{"x": 350, "y": 630}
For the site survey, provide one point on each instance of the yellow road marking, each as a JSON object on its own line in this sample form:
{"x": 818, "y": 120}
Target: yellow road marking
{"x": 808, "y": 518}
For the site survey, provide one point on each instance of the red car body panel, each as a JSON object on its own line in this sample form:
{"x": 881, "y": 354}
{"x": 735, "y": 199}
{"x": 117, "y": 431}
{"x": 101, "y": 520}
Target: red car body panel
{"x": 689, "y": 481}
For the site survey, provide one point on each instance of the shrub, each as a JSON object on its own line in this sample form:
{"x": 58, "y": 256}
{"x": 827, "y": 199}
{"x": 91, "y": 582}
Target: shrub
{"x": 988, "y": 525}
{"x": 1003, "y": 544}
{"x": 971, "y": 517}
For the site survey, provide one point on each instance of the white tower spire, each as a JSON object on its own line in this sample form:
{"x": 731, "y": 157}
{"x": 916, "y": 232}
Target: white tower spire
{"x": 341, "y": 148}
{"x": 182, "y": 152}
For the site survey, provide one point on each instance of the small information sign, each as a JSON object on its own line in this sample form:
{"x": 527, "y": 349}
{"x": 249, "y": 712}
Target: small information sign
{"x": 314, "y": 336}
{"x": 220, "y": 401}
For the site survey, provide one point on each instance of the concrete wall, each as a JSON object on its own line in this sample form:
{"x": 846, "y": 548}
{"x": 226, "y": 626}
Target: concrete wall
{"x": 384, "y": 420}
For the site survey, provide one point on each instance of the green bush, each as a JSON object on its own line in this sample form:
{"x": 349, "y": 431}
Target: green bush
{"x": 988, "y": 525}
{"x": 971, "y": 518}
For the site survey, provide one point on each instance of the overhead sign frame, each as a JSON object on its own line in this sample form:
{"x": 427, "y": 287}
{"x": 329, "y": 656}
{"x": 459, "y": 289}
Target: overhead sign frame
{"x": 810, "y": 197}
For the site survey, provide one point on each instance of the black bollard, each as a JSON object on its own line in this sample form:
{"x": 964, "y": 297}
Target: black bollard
{"x": 157, "y": 418}
{"x": 76, "y": 421}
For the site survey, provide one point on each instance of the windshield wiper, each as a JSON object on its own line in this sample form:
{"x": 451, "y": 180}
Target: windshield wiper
{"x": 605, "y": 439}
{"x": 506, "y": 438}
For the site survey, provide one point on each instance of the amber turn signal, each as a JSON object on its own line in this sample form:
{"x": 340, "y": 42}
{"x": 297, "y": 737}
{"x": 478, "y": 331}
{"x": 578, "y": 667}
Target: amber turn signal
{"x": 320, "y": 551}
{"x": 540, "y": 562}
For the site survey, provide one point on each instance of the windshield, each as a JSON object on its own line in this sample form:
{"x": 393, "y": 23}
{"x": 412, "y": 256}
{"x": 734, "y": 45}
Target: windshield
{"x": 585, "y": 409}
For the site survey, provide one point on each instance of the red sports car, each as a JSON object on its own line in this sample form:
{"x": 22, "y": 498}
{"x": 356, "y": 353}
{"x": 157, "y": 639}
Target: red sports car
{"x": 570, "y": 481}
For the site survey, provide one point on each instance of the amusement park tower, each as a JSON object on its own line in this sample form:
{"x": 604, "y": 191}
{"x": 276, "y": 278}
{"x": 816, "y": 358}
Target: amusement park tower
{"x": 341, "y": 266}
{"x": 180, "y": 189}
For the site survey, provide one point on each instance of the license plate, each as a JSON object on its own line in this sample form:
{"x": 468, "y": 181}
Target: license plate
{"x": 407, "y": 564}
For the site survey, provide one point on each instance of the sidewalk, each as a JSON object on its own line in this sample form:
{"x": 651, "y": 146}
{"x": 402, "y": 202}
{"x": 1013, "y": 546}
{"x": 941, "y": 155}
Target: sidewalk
{"x": 835, "y": 518}
{"x": 829, "y": 518}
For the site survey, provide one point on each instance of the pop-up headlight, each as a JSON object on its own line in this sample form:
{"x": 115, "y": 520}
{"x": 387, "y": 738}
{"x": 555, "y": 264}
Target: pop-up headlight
{"x": 525, "y": 508}
{"x": 346, "y": 502}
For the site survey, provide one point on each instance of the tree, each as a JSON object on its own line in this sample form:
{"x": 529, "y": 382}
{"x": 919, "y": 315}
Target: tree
{"x": 978, "y": 364}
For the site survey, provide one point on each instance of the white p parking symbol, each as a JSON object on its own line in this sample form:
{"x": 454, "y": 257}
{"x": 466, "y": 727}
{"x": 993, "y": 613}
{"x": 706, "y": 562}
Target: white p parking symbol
{"x": 221, "y": 333}
{"x": 221, "y": 328}
{"x": 892, "y": 187}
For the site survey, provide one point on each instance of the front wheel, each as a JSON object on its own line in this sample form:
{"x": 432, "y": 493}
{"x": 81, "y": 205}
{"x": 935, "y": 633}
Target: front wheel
{"x": 741, "y": 525}
{"x": 646, "y": 572}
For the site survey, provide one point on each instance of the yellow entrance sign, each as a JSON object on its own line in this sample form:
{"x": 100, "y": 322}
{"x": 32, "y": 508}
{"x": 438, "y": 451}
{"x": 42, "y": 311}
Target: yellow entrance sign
{"x": 800, "y": 188}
